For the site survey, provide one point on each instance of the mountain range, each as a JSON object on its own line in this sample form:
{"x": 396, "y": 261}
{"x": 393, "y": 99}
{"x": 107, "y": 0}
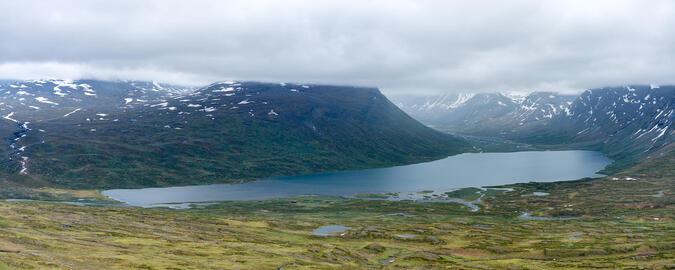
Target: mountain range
{"x": 129, "y": 134}
{"x": 627, "y": 123}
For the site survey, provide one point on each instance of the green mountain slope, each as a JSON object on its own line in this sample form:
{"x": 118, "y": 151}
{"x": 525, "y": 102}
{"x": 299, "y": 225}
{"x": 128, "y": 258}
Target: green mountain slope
{"x": 226, "y": 132}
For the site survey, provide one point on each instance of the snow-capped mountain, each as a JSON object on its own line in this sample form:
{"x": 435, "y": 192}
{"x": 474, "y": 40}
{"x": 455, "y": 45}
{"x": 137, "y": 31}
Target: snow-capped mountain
{"x": 621, "y": 121}
{"x": 51, "y": 94}
{"x": 637, "y": 118}
{"x": 486, "y": 113}
{"x": 104, "y": 134}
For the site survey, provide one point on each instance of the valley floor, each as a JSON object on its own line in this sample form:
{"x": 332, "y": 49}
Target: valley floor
{"x": 621, "y": 221}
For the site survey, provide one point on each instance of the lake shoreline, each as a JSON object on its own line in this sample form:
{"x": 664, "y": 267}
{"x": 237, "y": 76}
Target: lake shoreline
{"x": 455, "y": 172}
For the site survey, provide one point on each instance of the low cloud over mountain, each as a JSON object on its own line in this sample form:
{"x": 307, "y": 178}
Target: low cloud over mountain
{"x": 399, "y": 46}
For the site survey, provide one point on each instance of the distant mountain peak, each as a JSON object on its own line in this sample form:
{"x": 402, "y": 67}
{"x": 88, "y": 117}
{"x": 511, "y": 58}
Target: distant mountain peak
{"x": 635, "y": 118}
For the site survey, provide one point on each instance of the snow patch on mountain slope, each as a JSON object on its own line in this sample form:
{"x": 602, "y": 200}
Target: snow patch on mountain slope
{"x": 74, "y": 111}
{"x": 45, "y": 100}
{"x": 516, "y": 97}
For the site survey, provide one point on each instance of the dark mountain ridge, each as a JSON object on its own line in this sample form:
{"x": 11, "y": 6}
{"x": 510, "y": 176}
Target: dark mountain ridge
{"x": 99, "y": 134}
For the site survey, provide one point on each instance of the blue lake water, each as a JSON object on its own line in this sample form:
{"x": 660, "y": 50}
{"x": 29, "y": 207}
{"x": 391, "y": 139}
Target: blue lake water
{"x": 464, "y": 170}
{"x": 330, "y": 230}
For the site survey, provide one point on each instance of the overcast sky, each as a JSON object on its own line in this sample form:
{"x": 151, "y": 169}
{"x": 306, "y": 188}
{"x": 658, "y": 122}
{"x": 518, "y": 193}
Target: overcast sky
{"x": 399, "y": 46}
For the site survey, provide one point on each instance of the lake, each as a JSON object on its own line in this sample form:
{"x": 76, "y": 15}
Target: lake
{"x": 464, "y": 170}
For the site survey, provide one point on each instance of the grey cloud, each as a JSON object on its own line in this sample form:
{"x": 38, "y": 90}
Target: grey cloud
{"x": 399, "y": 46}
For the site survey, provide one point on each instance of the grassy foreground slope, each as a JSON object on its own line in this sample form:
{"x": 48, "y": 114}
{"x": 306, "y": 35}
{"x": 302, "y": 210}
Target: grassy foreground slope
{"x": 617, "y": 222}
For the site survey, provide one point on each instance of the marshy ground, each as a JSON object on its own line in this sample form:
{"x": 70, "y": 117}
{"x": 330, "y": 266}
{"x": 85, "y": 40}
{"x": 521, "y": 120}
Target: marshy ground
{"x": 618, "y": 223}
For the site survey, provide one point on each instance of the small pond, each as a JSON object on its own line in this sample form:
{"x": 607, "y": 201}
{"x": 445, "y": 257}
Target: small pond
{"x": 330, "y": 230}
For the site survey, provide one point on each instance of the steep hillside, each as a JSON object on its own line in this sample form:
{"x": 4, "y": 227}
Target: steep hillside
{"x": 627, "y": 123}
{"x": 95, "y": 134}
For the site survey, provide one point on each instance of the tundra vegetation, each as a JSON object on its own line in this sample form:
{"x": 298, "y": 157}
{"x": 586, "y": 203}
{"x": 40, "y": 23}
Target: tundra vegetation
{"x": 618, "y": 221}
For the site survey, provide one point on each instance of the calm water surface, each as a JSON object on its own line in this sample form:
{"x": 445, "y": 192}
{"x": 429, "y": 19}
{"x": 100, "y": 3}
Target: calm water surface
{"x": 330, "y": 230}
{"x": 464, "y": 170}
